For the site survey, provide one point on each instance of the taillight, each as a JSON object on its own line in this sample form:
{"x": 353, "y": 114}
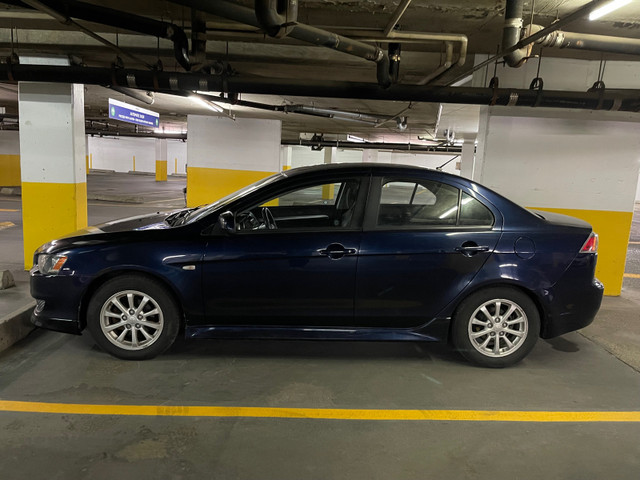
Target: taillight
{"x": 591, "y": 245}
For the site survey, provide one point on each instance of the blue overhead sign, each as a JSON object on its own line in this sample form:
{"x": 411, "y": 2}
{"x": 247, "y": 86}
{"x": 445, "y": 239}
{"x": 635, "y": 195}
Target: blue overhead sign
{"x": 132, "y": 114}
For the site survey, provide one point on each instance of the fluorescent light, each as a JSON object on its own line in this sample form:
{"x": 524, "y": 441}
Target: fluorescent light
{"x": 608, "y": 8}
{"x": 206, "y": 103}
{"x": 353, "y": 138}
{"x": 462, "y": 81}
{"x": 43, "y": 59}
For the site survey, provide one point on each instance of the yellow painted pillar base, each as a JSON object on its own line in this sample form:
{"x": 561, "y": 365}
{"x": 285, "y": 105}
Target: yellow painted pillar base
{"x": 161, "y": 170}
{"x": 613, "y": 229}
{"x": 206, "y": 185}
{"x": 10, "y": 170}
{"x": 50, "y": 211}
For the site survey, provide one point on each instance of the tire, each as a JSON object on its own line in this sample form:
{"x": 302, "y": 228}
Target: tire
{"x": 487, "y": 343}
{"x": 133, "y": 317}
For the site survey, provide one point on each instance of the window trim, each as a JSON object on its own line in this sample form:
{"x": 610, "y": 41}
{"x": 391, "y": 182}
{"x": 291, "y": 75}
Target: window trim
{"x": 370, "y": 222}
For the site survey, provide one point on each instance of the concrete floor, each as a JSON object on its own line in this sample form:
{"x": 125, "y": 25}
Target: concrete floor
{"x": 572, "y": 373}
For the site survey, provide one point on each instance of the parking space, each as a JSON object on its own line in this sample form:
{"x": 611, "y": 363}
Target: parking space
{"x": 317, "y": 409}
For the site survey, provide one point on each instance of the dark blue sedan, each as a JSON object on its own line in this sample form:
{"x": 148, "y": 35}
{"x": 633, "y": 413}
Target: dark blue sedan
{"x": 350, "y": 252}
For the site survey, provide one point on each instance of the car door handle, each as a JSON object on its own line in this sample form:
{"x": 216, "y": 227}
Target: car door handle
{"x": 336, "y": 250}
{"x": 471, "y": 248}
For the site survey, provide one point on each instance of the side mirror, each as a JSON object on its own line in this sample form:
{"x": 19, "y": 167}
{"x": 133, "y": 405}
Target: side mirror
{"x": 227, "y": 222}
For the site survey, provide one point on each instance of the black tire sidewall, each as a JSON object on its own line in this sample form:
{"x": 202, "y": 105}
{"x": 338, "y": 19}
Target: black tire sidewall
{"x": 150, "y": 287}
{"x": 462, "y": 316}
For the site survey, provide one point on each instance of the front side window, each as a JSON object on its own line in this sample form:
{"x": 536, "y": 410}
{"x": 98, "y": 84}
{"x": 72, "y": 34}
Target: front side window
{"x": 426, "y": 203}
{"x": 319, "y": 206}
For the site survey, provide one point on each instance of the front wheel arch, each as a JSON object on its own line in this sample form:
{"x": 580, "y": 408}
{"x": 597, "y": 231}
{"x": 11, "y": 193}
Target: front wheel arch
{"x": 105, "y": 277}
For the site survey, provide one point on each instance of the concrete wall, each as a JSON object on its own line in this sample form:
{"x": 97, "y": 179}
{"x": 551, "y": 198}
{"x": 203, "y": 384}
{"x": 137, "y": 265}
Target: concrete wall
{"x": 117, "y": 153}
{"x": 9, "y": 158}
{"x": 583, "y": 164}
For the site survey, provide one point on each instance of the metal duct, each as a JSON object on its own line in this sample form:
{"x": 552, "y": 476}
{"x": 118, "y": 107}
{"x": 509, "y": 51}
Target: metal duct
{"x": 302, "y": 32}
{"x": 172, "y": 82}
{"x": 126, "y": 21}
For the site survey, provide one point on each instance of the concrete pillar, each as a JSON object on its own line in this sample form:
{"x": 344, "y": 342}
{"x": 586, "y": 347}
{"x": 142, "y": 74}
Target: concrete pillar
{"x": 224, "y": 155}
{"x": 286, "y": 156}
{"x": 161, "y": 159}
{"x": 583, "y": 164}
{"x": 329, "y": 155}
{"x": 467, "y": 159}
{"x": 9, "y": 158}
{"x": 52, "y": 161}
{"x": 369, "y": 155}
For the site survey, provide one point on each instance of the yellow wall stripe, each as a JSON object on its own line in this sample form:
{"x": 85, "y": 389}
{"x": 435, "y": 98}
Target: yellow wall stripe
{"x": 10, "y": 171}
{"x": 613, "y": 229}
{"x": 206, "y": 185}
{"x": 49, "y": 211}
{"x": 320, "y": 413}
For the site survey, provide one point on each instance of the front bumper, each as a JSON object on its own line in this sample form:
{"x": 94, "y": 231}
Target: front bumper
{"x": 58, "y": 300}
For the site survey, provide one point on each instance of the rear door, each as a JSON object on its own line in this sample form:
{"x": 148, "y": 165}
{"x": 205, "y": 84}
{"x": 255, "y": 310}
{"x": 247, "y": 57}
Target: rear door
{"x": 423, "y": 242}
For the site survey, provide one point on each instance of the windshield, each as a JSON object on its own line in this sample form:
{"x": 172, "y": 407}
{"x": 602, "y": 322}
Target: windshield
{"x": 204, "y": 210}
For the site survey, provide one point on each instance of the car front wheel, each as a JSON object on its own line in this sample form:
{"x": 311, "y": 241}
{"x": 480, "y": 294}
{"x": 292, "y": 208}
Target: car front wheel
{"x": 496, "y": 327}
{"x": 133, "y": 317}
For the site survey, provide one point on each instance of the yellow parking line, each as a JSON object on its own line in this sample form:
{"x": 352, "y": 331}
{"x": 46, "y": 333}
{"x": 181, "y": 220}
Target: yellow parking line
{"x": 320, "y": 413}
{"x": 631, "y": 275}
{"x": 4, "y": 225}
{"x": 634, "y": 243}
{"x": 8, "y": 210}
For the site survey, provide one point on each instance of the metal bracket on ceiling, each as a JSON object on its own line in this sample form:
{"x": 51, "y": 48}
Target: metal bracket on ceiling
{"x": 599, "y": 87}
{"x": 537, "y": 84}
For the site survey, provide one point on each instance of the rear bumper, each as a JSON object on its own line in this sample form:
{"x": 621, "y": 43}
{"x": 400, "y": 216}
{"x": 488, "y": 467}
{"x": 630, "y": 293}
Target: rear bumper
{"x": 573, "y": 302}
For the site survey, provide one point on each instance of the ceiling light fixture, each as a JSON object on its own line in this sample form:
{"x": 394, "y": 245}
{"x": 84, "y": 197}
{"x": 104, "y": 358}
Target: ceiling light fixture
{"x": 608, "y": 8}
{"x": 206, "y": 103}
{"x": 353, "y": 138}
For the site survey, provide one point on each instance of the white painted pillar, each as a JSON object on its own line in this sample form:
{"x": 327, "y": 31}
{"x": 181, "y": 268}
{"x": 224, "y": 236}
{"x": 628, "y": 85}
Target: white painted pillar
{"x": 584, "y": 164}
{"x": 161, "y": 159}
{"x": 225, "y": 155}
{"x": 369, "y": 155}
{"x": 467, "y": 158}
{"x": 329, "y": 154}
{"x": 52, "y": 162}
{"x": 286, "y": 156}
{"x": 9, "y": 158}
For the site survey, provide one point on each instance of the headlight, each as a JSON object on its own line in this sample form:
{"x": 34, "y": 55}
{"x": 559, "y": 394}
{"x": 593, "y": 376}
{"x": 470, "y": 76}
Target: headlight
{"x": 50, "y": 264}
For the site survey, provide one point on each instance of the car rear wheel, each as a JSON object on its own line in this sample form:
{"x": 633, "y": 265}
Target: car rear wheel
{"x": 496, "y": 327}
{"x": 133, "y": 317}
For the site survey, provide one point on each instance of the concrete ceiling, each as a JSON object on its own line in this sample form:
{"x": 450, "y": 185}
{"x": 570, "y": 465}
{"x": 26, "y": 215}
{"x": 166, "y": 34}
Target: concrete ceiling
{"x": 249, "y": 52}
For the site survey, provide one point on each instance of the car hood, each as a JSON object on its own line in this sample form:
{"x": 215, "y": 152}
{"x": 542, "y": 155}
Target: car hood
{"x": 92, "y": 234}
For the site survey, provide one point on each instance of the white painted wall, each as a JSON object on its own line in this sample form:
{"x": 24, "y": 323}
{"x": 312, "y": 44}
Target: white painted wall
{"x": 244, "y": 144}
{"x": 9, "y": 142}
{"x": 304, "y": 156}
{"x": 560, "y": 158}
{"x": 116, "y": 153}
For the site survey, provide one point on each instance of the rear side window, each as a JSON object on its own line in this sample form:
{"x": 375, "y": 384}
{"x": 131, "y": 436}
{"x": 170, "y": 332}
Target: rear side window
{"x": 427, "y": 203}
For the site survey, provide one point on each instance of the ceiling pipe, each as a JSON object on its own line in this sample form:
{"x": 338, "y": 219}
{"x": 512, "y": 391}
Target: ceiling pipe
{"x": 584, "y": 41}
{"x": 302, "y": 32}
{"x": 276, "y": 17}
{"x": 396, "y": 16}
{"x": 144, "y": 97}
{"x": 171, "y": 82}
{"x": 411, "y": 37}
{"x": 442, "y": 69}
{"x": 511, "y": 33}
{"x": 583, "y": 11}
{"x": 120, "y": 20}
{"x": 65, "y": 20}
